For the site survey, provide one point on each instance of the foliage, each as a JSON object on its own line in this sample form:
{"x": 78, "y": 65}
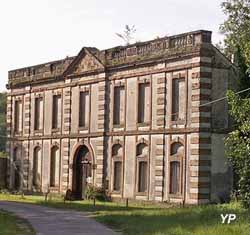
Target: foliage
{"x": 238, "y": 145}
{"x": 93, "y": 192}
{"x": 2, "y": 122}
{"x": 155, "y": 218}
{"x": 11, "y": 225}
{"x": 127, "y": 35}
{"x": 236, "y": 29}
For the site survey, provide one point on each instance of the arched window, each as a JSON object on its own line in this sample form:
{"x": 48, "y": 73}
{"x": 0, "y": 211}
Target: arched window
{"x": 16, "y": 166}
{"x": 117, "y": 166}
{"x": 37, "y": 167}
{"x": 54, "y": 167}
{"x": 142, "y": 167}
{"x": 175, "y": 169}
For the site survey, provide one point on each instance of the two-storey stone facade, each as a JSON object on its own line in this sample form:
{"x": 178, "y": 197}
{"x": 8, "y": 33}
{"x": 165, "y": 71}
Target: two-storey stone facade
{"x": 134, "y": 119}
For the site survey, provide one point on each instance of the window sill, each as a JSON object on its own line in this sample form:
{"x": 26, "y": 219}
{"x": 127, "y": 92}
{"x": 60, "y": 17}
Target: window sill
{"x": 142, "y": 124}
{"x": 56, "y": 130}
{"x": 83, "y": 128}
{"x": 177, "y": 196}
{"x": 38, "y": 131}
{"x": 118, "y": 125}
{"x": 116, "y": 192}
{"x": 176, "y": 122}
{"x": 141, "y": 193}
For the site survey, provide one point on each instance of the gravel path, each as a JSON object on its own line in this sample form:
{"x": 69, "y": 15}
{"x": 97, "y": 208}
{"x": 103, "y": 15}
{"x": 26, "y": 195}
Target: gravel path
{"x": 50, "y": 221}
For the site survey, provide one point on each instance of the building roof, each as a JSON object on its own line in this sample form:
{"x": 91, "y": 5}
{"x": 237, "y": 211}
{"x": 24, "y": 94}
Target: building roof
{"x": 113, "y": 58}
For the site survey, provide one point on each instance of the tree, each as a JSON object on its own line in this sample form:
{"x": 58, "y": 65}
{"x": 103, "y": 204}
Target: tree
{"x": 236, "y": 29}
{"x": 127, "y": 34}
{"x": 2, "y": 122}
{"x": 238, "y": 145}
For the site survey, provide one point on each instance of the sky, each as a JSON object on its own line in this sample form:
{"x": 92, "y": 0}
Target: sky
{"x": 38, "y": 31}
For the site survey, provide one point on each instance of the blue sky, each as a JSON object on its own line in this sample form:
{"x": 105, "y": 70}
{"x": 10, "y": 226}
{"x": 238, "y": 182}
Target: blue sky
{"x": 37, "y": 31}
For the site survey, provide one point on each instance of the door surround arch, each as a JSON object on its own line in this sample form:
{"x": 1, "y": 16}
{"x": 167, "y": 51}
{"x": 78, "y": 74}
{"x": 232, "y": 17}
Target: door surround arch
{"x": 74, "y": 163}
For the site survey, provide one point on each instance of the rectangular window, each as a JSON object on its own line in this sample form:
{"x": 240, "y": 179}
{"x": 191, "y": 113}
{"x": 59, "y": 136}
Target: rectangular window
{"x": 56, "y": 115}
{"x": 119, "y": 103}
{"x": 142, "y": 181}
{"x": 174, "y": 177}
{"x": 18, "y": 116}
{"x": 117, "y": 175}
{"x": 178, "y": 99}
{"x": 144, "y": 103}
{"x": 38, "y": 113}
{"x": 84, "y": 109}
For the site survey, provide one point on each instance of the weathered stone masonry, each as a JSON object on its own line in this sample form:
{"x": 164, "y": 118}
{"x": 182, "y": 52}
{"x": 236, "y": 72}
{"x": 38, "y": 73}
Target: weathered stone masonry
{"x": 160, "y": 142}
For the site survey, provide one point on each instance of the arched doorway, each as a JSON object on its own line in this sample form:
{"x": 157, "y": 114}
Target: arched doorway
{"x": 82, "y": 172}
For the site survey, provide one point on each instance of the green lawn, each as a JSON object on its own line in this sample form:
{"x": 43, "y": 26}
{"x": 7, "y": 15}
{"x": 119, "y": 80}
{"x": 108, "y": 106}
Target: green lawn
{"x": 10, "y": 225}
{"x": 157, "y": 219}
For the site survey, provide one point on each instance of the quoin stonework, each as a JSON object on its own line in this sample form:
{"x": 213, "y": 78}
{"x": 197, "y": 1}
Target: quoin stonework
{"x": 132, "y": 119}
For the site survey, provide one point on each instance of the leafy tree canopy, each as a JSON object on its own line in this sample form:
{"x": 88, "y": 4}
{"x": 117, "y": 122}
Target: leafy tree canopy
{"x": 238, "y": 145}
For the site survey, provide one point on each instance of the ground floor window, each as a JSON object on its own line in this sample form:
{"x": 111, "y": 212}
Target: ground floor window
{"x": 142, "y": 181}
{"x": 174, "y": 177}
{"x": 54, "y": 167}
{"x": 37, "y": 167}
{"x": 175, "y": 168}
{"x": 117, "y": 175}
{"x": 142, "y": 167}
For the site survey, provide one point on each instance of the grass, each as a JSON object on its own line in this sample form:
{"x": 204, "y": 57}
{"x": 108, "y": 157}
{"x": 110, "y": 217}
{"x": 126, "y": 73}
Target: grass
{"x": 11, "y": 225}
{"x": 156, "y": 219}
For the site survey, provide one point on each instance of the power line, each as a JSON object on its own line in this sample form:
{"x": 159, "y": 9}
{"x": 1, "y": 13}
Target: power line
{"x": 223, "y": 98}
{"x": 176, "y": 113}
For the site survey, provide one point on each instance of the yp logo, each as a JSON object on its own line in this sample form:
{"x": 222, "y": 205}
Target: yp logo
{"x": 228, "y": 218}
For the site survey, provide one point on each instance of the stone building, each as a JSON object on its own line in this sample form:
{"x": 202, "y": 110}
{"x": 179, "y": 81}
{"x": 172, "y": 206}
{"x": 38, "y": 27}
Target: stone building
{"x": 133, "y": 119}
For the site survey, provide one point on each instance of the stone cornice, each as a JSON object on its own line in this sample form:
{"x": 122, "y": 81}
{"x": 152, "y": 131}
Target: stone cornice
{"x": 139, "y": 54}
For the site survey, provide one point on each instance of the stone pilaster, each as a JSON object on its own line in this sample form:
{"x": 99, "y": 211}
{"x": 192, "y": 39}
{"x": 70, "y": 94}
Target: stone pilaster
{"x": 65, "y": 165}
{"x": 161, "y": 100}
{"x": 99, "y": 162}
{"x": 200, "y": 151}
{"x": 66, "y": 110}
{"x": 25, "y": 164}
{"x": 27, "y": 113}
{"x": 159, "y": 169}
{"x": 101, "y": 103}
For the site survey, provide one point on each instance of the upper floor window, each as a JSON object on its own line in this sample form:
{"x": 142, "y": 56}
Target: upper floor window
{"x": 84, "y": 109}
{"x": 178, "y": 99}
{"x": 38, "y": 113}
{"x": 18, "y": 116}
{"x": 144, "y": 103}
{"x": 56, "y": 113}
{"x": 119, "y": 105}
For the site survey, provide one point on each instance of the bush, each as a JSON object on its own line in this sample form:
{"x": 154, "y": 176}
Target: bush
{"x": 98, "y": 193}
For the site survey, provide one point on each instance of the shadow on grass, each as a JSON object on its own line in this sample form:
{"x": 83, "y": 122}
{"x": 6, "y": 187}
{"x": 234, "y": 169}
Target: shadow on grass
{"x": 204, "y": 220}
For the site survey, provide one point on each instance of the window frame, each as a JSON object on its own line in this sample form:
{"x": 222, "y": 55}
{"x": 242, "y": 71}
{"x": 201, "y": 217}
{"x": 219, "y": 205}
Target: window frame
{"x": 35, "y": 154}
{"x": 177, "y": 157}
{"x": 87, "y": 104}
{"x": 142, "y": 158}
{"x": 138, "y": 108}
{"x": 55, "y": 148}
{"x": 121, "y": 116}
{"x": 40, "y": 114}
{"x": 178, "y": 77}
{"x": 115, "y": 159}
{"x": 56, "y": 114}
